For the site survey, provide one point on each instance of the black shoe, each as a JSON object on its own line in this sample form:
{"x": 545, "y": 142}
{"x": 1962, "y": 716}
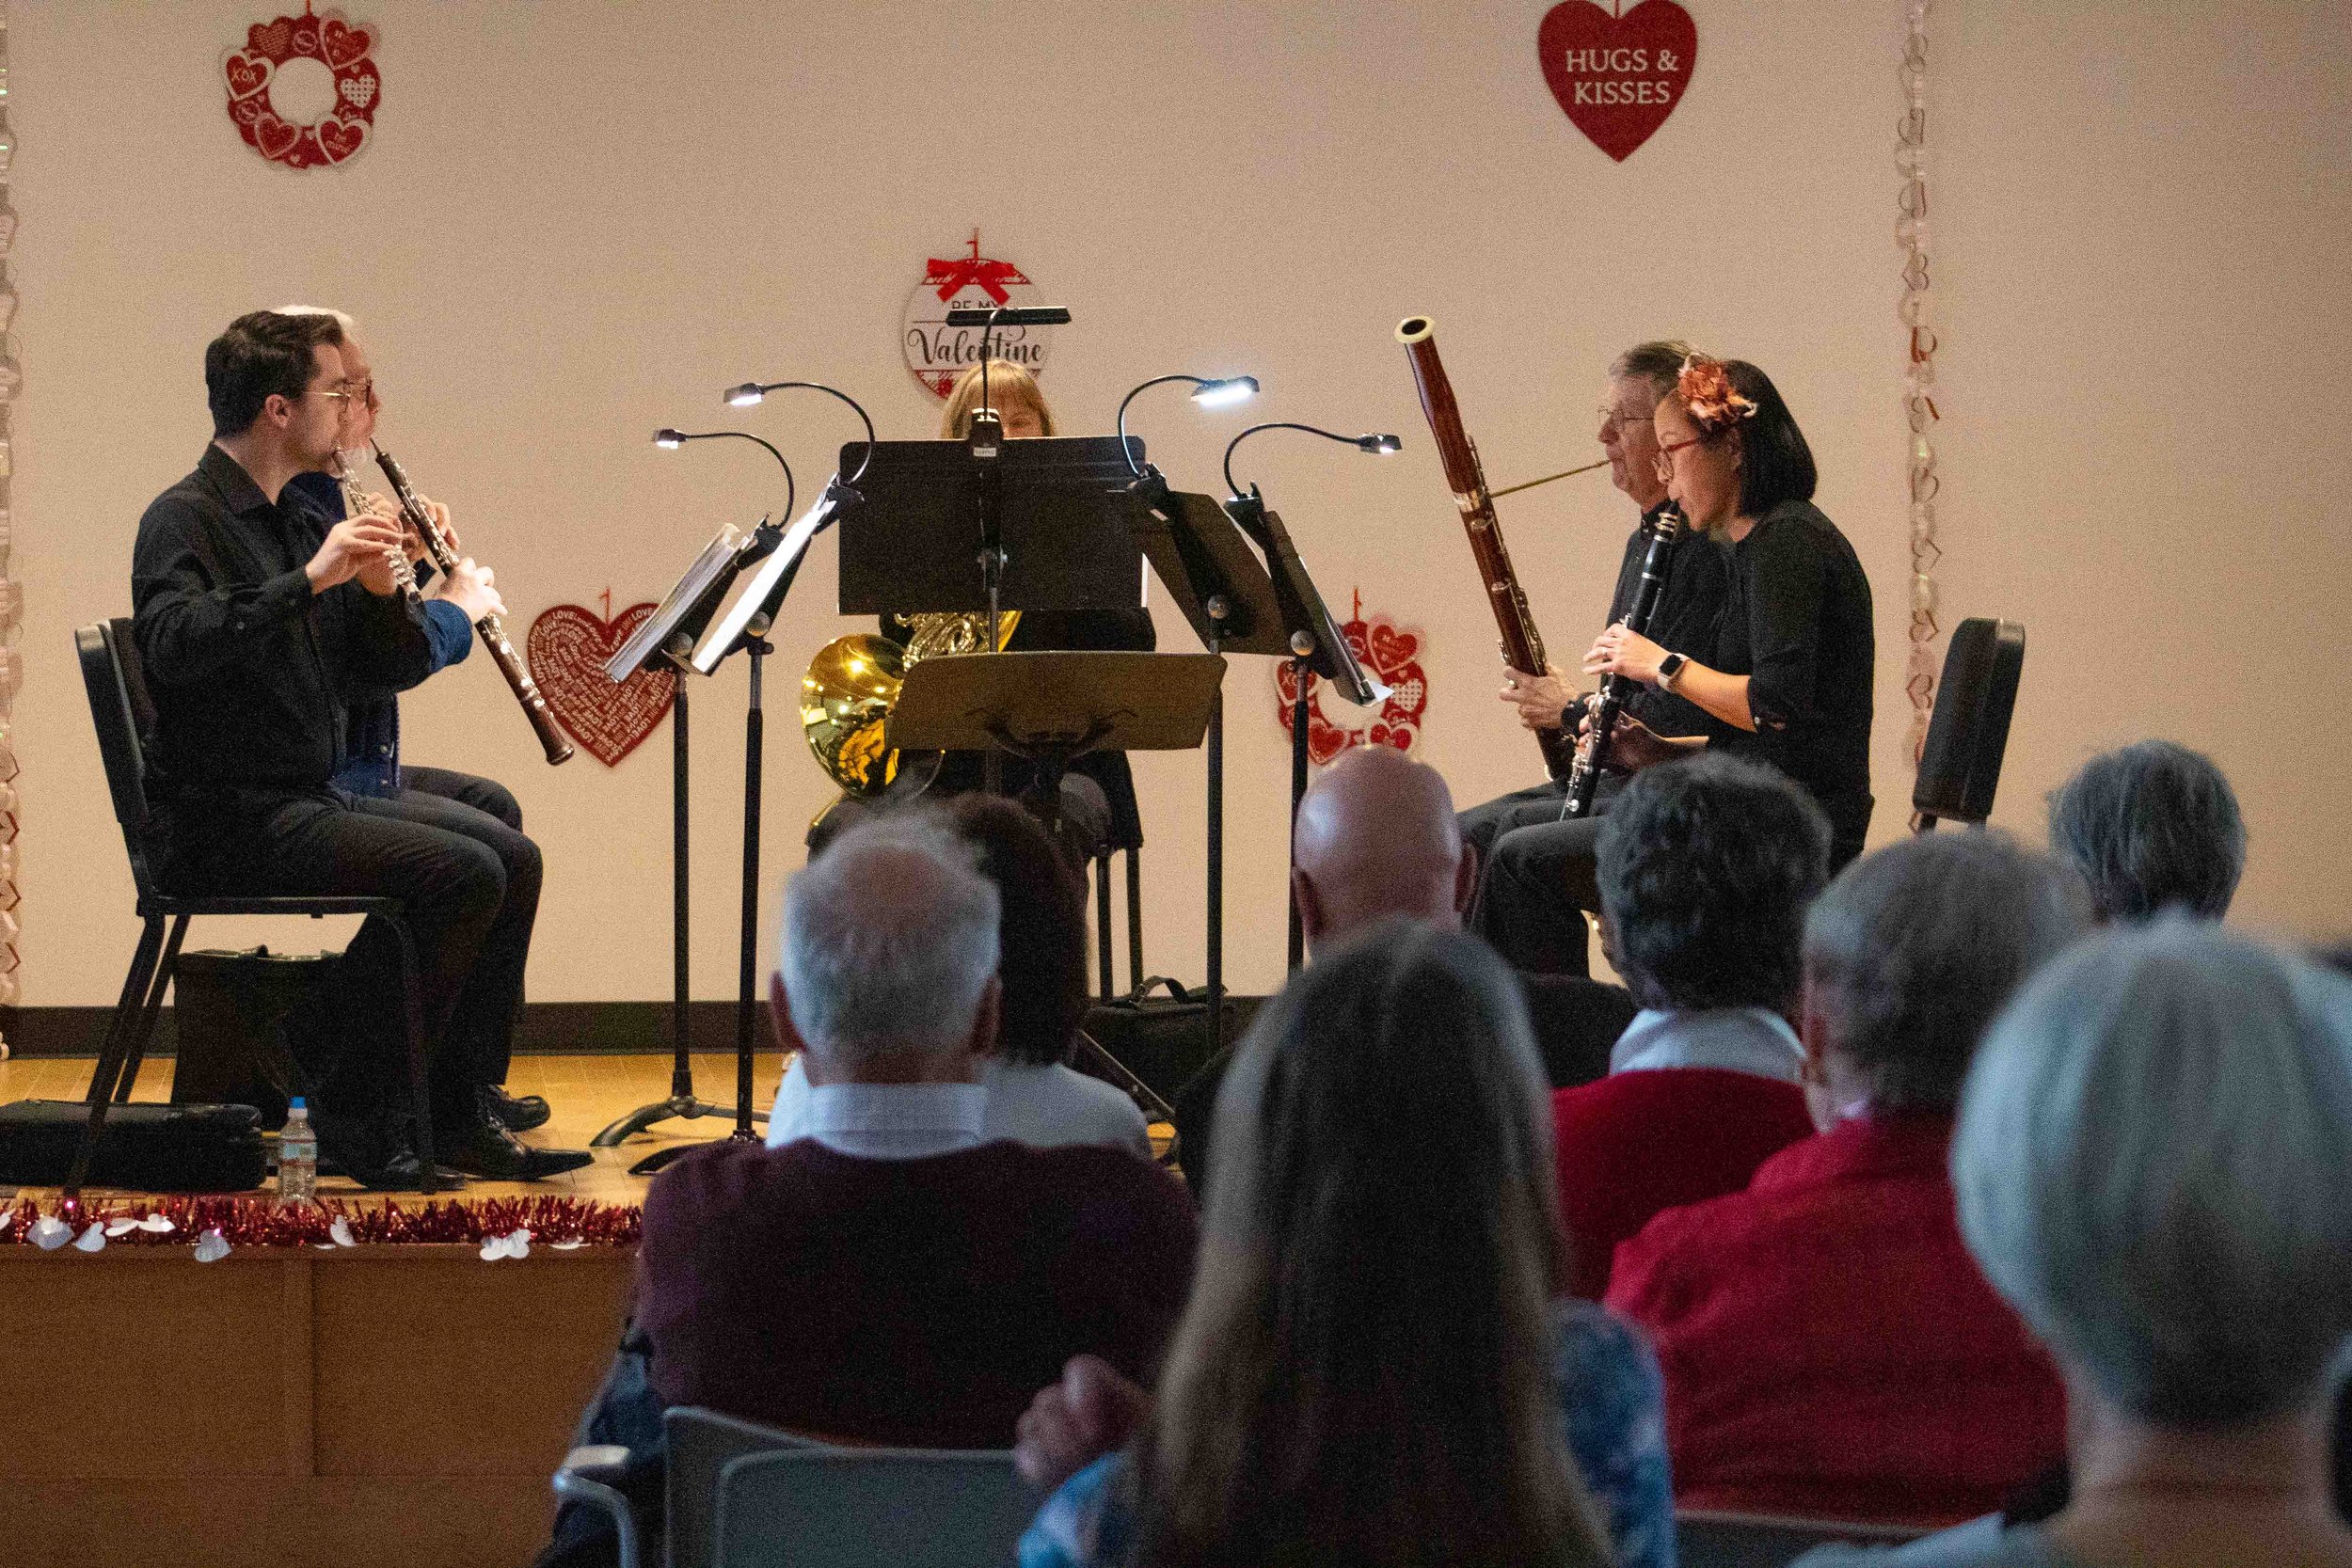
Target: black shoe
{"x": 482, "y": 1148}
{"x": 517, "y": 1113}
{"x": 376, "y": 1155}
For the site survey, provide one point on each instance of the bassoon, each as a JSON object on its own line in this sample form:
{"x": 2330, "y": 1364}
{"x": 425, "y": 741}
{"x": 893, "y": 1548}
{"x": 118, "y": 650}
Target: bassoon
{"x": 1522, "y": 647}
{"x": 1592, "y": 752}
{"x": 492, "y": 631}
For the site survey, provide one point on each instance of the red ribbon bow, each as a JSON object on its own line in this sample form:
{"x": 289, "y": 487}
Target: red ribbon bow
{"x": 952, "y": 277}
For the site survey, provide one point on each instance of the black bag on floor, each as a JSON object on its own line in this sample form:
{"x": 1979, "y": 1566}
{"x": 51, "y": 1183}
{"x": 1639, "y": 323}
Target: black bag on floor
{"x": 231, "y": 1009}
{"x": 147, "y": 1148}
{"x": 1163, "y": 1040}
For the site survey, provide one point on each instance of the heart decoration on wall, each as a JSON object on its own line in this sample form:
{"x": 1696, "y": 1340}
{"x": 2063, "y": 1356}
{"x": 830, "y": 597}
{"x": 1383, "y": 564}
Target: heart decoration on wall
{"x": 1391, "y": 658}
{"x": 251, "y": 72}
{"x": 568, "y": 649}
{"x": 1618, "y": 76}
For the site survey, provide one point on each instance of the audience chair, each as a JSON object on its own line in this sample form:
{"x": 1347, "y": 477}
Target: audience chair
{"x": 1968, "y": 733}
{"x": 125, "y": 716}
{"x": 872, "y": 1508}
{"x": 1707, "y": 1538}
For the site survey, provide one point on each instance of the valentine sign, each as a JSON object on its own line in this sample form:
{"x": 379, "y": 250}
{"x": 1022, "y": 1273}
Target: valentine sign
{"x": 1617, "y": 77}
{"x": 567, "y": 648}
{"x": 322, "y": 61}
{"x": 1333, "y": 724}
{"x": 937, "y": 353}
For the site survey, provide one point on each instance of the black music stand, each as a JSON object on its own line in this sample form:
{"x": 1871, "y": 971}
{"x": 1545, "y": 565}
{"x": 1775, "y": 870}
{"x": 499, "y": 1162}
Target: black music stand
{"x": 668, "y": 638}
{"x": 1225, "y": 594}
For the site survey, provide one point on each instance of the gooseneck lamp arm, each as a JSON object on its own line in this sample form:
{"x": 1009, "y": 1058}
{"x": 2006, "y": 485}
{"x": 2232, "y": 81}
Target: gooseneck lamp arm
{"x": 671, "y": 440}
{"x": 755, "y": 391}
{"x": 1208, "y": 392}
{"x": 1361, "y": 443}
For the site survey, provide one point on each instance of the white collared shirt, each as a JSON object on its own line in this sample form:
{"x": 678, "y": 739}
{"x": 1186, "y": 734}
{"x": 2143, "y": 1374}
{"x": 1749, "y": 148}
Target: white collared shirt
{"x": 895, "y": 1121}
{"x": 1045, "y": 1107}
{"x": 1735, "y": 1039}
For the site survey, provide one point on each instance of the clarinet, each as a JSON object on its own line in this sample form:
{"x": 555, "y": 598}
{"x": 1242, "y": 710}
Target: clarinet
{"x": 493, "y": 634}
{"x": 1523, "y": 648}
{"x": 1592, "y": 752}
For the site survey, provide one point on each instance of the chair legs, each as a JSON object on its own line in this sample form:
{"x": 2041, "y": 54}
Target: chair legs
{"x": 152, "y": 1008}
{"x": 1102, "y": 924}
{"x": 115, "y": 1049}
{"x": 1135, "y": 918}
{"x": 420, "y": 1068}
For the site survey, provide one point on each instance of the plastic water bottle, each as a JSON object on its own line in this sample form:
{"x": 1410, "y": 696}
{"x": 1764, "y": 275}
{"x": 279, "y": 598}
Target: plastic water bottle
{"x": 297, "y": 1157}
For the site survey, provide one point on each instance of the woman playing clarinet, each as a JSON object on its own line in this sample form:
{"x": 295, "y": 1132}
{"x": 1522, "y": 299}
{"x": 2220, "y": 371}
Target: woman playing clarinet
{"x": 1789, "y": 678}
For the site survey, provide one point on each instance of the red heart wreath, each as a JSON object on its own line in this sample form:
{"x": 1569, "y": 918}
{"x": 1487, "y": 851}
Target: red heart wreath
{"x": 1388, "y": 654}
{"x": 568, "y": 649}
{"x": 343, "y": 48}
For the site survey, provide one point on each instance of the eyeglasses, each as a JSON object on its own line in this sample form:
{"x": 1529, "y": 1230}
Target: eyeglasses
{"x": 1620, "y": 418}
{"x": 1666, "y": 451}
{"x": 363, "y": 393}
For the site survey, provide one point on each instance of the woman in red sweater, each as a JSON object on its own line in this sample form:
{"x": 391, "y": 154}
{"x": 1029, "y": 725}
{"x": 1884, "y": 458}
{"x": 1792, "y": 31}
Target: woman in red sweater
{"x": 1829, "y": 1346}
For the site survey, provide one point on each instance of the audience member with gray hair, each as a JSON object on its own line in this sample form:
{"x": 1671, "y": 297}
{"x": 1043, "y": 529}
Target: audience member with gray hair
{"x": 891, "y": 1277}
{"x": 2150, "y": 826}
{"x": 2154, "y": 1167}
{"x": 1830, "y": 1348}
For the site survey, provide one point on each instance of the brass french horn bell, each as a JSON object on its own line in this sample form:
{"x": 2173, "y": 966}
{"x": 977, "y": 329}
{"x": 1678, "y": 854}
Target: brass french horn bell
{"x": 852, "y": 685}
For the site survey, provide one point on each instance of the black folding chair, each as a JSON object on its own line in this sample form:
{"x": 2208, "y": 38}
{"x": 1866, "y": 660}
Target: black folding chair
{"x": 125, "y": 716}
{"x": 1968, "y": 733}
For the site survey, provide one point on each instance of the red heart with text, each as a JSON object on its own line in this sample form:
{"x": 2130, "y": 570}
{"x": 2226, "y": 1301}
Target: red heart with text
{"x": 339, "y": 138}
{"x": 274, "y": 136}
{"x": 568, "y": 649}
{"x": 306, "y": 37}
{"x": 247, "y": 75}
{"x": 343, "y": 44}
{"x": 1617, "y": 77}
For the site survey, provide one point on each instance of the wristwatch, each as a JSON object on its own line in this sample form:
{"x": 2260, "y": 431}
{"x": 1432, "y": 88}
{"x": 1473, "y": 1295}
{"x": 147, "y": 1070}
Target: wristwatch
{"x": 1669, "y": 670}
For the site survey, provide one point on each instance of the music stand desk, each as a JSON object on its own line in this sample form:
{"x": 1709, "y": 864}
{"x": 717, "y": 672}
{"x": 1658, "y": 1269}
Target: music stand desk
{"x": 1053, "y": 707}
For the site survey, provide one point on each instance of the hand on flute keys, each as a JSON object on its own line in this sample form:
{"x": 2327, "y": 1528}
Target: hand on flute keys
{"x": 1620, "y": 652}
{"x": 363, "y": 547}
{"x": 469, "y": 587}
{"x": 1540, "y": 699}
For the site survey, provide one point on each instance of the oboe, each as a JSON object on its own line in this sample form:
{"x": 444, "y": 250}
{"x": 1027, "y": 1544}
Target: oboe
{"x": 493, "y": 634}
{"x": 1592, "y": 751}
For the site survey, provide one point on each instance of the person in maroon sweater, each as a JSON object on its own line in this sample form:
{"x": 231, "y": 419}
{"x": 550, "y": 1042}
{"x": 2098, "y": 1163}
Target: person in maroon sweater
{"x": 1829, "y": 1345}
{"x": 890, "y": 1277}
{"x": 1705, "y": 871}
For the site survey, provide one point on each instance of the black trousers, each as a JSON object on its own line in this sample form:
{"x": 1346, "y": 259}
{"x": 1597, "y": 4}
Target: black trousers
{"x": 520, "y": 856}
{"x": 1536, "y": 876}
{"x": 470, "y": 885}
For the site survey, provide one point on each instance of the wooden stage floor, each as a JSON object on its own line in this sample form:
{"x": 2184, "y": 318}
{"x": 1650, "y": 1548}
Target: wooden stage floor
{"x": 586, "y": 1094}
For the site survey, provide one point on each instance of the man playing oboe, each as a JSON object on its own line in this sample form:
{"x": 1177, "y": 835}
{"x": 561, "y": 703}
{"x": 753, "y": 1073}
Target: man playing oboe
{"x": 372, "y": 764}
{"x": 260, "y": 623}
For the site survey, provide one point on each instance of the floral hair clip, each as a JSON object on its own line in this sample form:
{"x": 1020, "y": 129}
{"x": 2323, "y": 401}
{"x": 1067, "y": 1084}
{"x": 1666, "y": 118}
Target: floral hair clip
{"x": 1706, "y": 389}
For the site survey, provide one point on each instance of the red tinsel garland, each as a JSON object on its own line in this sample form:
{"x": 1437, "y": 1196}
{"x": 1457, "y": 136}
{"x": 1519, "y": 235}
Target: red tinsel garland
{"x": 259, "y": 1222}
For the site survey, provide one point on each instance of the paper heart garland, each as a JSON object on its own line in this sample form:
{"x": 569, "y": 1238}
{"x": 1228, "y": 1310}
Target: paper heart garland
{"x": 211, "y": 1247}
{"x": 568, "y": 649}
{"x": 514, "y": 1245}
{"x": 251, "y": 73}
{"x": 1617, "y": 77}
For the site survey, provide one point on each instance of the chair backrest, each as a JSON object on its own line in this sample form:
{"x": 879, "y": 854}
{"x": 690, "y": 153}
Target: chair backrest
{"x": 1960, "y": 764}
{"x": 124, "y": 717}
{"x": 1706, "y": 1539}
{"x": 870, "y": 1508}
{"x": 701, "y": 1444}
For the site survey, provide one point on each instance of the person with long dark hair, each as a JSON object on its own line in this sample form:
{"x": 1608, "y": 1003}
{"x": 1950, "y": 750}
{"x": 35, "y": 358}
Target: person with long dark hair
{"x": 1789, "y": 679}
{"x": 1377, "y": 1365}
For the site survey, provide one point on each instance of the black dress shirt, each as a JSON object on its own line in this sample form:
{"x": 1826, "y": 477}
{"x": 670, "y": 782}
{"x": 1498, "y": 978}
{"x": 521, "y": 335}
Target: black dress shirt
{"x": 251, "y": 672}
{"x": 1690, "y": 607}
{"x": 1797, "y": 624}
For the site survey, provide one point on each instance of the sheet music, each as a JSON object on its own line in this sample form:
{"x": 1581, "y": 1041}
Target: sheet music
{"x": 760, "y": 586}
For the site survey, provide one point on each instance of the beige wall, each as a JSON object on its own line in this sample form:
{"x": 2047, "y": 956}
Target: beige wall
{"x": 578, "y": 222}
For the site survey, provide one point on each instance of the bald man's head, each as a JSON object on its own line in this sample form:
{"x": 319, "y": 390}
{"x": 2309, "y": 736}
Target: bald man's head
{"x": 1376, "y": 837}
